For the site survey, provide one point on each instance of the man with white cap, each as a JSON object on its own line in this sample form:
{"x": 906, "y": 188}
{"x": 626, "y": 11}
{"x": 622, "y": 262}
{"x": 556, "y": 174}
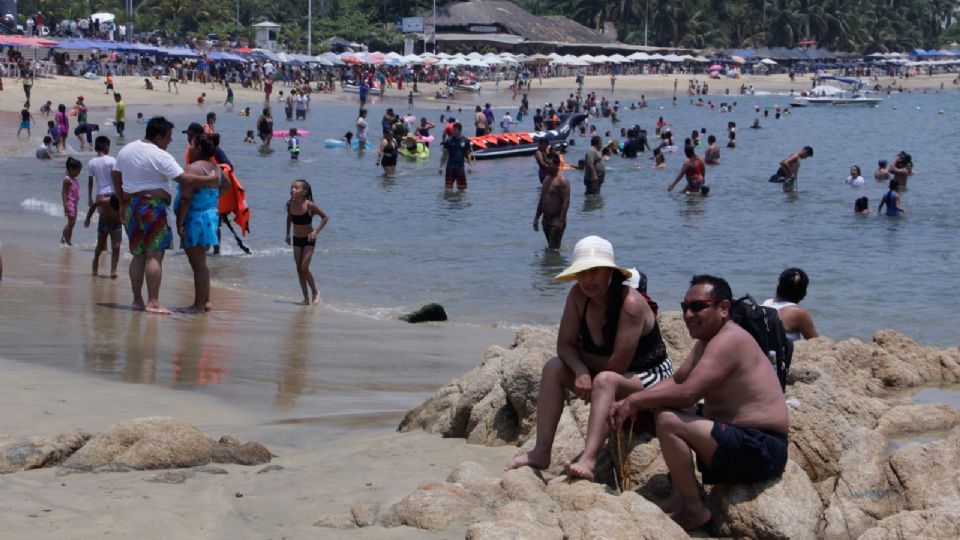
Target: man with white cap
{"x": 609, "y": 346}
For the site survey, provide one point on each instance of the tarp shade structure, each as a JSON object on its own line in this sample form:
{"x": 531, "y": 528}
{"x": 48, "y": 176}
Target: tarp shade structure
{"x": 225, "y": 57}
{"x": 24, "y": 41}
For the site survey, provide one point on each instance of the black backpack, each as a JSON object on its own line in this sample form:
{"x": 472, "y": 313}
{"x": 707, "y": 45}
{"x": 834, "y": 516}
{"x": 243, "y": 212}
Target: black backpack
{"x": 763, "y": 323}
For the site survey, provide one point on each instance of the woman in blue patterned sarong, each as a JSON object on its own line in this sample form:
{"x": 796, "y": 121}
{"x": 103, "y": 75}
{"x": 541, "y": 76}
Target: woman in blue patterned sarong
{"x": 198, "y": 220}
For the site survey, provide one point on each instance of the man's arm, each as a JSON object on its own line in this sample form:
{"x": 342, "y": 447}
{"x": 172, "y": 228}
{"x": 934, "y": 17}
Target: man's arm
{"x": 713, "y": 367}
{"x": 683, "y": 169}
{"x": 443, "y": 158}
{"x": 90, "y": 190}
{"x": 565, "y": 195}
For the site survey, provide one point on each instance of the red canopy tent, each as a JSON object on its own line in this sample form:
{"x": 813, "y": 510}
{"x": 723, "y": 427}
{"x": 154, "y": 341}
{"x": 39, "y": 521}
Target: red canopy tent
{"x": 24, "y": 41}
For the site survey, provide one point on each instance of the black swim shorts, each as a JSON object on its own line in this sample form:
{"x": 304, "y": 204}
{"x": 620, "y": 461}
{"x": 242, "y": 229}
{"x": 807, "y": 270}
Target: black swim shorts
{"x": 744, "y": 455}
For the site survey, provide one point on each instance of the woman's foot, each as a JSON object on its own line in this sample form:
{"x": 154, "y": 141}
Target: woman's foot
{"x": 316, "y": 297}
{"x": 156, "y": 309}
{"x": 580, "y": 469}
{"x": 193, "y": 310}
{"x": 529, "y": 459}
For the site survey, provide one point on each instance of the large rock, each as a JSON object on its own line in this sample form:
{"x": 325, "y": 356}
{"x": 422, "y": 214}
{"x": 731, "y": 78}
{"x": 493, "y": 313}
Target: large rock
{"x": 230, "y": 450}
{"x": 435, "y": 506}
{"x": 144, "y": 443}
{"x": 928, "y": 475}
{"x": 23, "y": 453}
{"x": 512, "y": 530}
{"x": 787, "y": 508}
{"x": 843, "y": 416}
{"x": 861, "y": 493}
{"x": 475, "y": 479}
{"x": 944, "y": 523}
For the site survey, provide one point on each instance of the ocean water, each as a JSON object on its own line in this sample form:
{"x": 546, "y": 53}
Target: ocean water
{"x": 394, "y": 244}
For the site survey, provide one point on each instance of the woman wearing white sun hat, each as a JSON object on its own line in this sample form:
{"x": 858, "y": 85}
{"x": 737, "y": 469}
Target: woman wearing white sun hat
{"x": 609, "y": 346}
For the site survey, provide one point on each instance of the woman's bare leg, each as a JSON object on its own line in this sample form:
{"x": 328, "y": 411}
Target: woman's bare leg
{"x": 555, "y": 379}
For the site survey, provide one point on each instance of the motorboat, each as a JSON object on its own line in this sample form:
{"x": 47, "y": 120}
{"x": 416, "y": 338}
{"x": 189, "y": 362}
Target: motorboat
{"x": 468, "y": 86}
{"x": 838, "y": 97}
{"x": 499, "y": 145}
{"x": 354, "y": 88}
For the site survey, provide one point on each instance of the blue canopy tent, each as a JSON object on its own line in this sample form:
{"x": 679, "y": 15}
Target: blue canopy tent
{"x": 177, "y": 51}
{"x": 225, "y": 57}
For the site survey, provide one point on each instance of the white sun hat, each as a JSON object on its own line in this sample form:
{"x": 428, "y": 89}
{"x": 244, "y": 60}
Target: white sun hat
{"x": 591, "y": 252}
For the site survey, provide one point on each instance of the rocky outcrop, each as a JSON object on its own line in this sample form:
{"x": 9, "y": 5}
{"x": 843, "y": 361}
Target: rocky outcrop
{"x": 144, "y": 443}
{"x": 788, "y": 507}
{"x": 847, "y": 403}
{"x": 24, "y": 453}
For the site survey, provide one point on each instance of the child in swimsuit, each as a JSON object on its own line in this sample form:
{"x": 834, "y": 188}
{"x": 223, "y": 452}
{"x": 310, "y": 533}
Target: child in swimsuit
{"x": 71, "y": 196}
{"x": 300, "y": 212}
{"x": 293, "y": 144}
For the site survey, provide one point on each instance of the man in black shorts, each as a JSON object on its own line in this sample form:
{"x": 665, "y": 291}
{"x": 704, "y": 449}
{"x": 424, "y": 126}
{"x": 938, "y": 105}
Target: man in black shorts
{"x": 740, "y": 435}
{"x": 457, "y": 155}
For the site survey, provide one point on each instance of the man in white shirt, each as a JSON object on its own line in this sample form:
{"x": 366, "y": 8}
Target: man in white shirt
{"x": 141, "y": 177}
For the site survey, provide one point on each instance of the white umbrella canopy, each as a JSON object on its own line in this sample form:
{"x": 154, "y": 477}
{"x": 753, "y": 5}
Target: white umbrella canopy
{"x": 657, "y": 56}
{"x": 475, "y": 56}
{"x": 537, "y": 59}
{"x": 673, "y": 58}
{"x": 768, "y": 62}
{"x": 493, "y": 60}
{"x": 618, "y": 58}
{"x": 412, "y": 59}
{"x": 444, "y": 56}
{"x": 639, "y": 56}
{"x": 393, "y": 56}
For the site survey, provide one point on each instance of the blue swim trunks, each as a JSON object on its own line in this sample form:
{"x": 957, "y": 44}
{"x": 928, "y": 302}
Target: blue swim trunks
{"x": 744, "y": 455}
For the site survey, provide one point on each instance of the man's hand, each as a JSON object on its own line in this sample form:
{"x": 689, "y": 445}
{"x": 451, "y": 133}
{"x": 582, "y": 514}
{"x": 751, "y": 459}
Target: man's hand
{"x": 582, "y": 386}
{"x": 619, "y": 413}
{"x": 440, "y": 171}
{"x": 288, "y": 240}
{"x": 536, "y": 224}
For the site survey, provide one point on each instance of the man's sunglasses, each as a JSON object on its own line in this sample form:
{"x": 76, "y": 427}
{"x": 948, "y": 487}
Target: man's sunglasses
{"x": 696, "y": 306}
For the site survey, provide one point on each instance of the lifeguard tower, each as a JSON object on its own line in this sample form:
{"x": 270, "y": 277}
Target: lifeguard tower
{"x": 267, "y": 34}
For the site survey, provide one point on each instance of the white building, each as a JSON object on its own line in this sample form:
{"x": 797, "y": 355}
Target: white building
{"x": 267, "y": 35}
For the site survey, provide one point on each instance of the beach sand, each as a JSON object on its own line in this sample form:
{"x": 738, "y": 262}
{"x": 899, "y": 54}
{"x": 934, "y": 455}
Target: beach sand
{"x": 66, "y": 89}
{"x": 322, "y": 390}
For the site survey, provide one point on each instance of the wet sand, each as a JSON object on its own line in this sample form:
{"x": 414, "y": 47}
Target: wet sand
{"x": 323, "y": 390}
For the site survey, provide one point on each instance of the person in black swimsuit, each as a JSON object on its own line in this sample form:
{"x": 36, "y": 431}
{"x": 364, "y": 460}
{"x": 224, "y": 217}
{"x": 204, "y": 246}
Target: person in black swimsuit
{"x": 608, "y": 347}
{"x": 300, "y": 212}
{"x": 387, "y": 157}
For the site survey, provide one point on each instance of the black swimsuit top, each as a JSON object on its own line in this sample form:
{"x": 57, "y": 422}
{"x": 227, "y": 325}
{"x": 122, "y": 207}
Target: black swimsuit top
{"x": 651, "y": 350}
{"x": 301, "y": 219}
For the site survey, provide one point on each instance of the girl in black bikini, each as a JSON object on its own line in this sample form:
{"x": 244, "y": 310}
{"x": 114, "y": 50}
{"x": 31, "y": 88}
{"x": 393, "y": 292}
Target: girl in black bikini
{"x": 300, "y": 212}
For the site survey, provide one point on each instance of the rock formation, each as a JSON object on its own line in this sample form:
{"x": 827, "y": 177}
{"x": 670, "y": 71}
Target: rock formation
{"x": 848, "y": 404}
{"x": 140, "y": 444}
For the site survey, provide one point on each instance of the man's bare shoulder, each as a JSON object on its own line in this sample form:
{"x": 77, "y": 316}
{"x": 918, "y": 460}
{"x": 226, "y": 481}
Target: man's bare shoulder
{"x": 731, "y": 341}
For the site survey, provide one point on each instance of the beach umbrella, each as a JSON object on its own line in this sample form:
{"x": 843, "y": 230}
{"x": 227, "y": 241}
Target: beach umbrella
{"x": 350, "y": 58}
{"x": 618, "y": 58}
{"x": 673, "y": 58}
{"x": 639, "y": 56}
{"x": 715, "y": 67}
{"x": 432, "y": 60}
{"x": 537, "y": 59}
{"x": 768, "y": 62}
{"x": 738, "y": 59}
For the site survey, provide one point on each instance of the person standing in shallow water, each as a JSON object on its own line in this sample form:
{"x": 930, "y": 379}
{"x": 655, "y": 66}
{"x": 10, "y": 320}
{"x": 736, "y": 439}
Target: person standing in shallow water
{"x": 300, "y": 212}
{"x": 609, "y": 346}
{"x": 553, "y": 204}
{"x": 141, "y": 179}
{"x": 790, "y": 168}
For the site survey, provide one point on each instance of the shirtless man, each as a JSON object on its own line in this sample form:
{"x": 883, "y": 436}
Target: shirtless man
{"x": 791, "y": 166}
{"x": 554, "y": 201}
{"x": 882, "y": 174}
{"x": 902, "y": 168}
{"x": 740, "y": 436}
